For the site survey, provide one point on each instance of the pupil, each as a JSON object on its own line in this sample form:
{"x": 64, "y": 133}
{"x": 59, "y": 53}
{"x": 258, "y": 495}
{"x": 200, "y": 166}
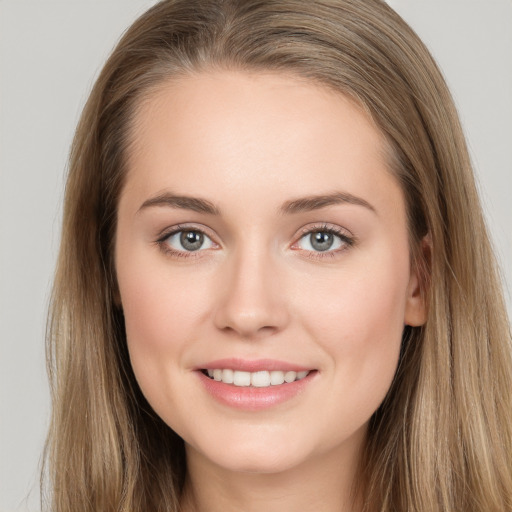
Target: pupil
{"x": 191, "y": 240}
{"x": 321, "y": 241}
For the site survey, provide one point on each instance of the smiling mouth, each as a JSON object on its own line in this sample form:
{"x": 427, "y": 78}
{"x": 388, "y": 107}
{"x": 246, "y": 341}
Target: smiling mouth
{"x": 260, "y": 379}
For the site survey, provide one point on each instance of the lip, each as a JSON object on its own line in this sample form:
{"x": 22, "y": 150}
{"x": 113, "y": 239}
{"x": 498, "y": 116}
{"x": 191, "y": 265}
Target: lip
{"x": 253, "y": 398}
{"x": 256, "y": 365}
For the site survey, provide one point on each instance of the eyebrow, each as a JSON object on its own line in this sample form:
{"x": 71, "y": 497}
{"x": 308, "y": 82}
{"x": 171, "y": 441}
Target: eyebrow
{"x": 183, "y": 202}
{"x": 302, "y": 204}
{"x": 310, "y": 203}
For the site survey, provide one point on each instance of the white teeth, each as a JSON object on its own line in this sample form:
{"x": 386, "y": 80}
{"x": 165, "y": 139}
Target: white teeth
{"x": 241, "y": 378}
{"x": 276, "y": 378}
{"x": 261, "y": 379}
{"x": 227, "y": 376}
{"x": 290, "y": 376}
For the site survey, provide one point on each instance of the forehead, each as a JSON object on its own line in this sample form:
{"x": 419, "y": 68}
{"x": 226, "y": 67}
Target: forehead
{"x": 241, "y": 133}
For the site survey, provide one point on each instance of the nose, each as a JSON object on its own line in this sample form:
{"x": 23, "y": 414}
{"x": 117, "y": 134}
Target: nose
{"x": 252, "y": 300}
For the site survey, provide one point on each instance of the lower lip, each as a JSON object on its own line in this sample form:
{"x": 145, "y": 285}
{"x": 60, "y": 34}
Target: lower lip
{"x": 252, "y": 398}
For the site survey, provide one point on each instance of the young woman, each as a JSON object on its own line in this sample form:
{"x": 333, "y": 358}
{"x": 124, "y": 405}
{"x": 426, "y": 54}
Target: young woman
{"x": 275, "y": 289}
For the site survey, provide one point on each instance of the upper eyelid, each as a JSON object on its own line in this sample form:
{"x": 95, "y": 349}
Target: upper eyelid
{"x": 324, "y": 226}
{"x": 172, "y": 230}
{"x": 165, "y": 234}
{"x": 346, "y": 237}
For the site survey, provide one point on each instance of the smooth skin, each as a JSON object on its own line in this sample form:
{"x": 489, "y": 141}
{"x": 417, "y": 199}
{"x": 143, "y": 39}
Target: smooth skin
{"x": 243, "y": 150}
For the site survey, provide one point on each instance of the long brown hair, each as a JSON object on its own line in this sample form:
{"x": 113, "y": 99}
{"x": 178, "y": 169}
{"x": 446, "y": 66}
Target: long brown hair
{"x": 442, "y": 439}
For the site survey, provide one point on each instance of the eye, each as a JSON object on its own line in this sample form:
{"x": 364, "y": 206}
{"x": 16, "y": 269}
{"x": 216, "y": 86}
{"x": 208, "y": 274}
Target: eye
{"x": 188, "y": 241}
{"x": 323, "y": 240}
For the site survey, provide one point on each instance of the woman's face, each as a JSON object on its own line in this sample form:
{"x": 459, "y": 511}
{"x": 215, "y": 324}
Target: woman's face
{"x": 262, "y": 239}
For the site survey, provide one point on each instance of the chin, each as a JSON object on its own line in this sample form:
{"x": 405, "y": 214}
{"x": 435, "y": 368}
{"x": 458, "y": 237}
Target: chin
{"x": 259, "y": 456}
{"x": 260, "y": 463}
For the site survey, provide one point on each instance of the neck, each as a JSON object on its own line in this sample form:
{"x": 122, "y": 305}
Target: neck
{"x": 325, "y": 483}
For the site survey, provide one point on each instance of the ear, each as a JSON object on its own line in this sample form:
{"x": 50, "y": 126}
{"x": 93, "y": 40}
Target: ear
{"x": 416, "y": 307}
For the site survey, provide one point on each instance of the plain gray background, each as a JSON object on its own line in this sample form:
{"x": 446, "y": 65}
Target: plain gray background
{"x": 50, "y": 53}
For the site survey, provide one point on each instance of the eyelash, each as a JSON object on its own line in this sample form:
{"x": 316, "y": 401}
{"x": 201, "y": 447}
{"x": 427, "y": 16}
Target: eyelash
{"x": 165, "y": 247}
{"x": 346, "y": 240}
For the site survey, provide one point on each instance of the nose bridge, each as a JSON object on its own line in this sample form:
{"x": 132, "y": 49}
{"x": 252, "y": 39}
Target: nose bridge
{"x": 252, "y": 301}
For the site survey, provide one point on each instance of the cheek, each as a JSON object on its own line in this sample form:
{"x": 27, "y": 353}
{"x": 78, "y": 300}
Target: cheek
{"x": 156, "y": 311}
{"x": 358, "y": 319}
{"x": 163, "y": 315}
{"x": 358, "y": 308}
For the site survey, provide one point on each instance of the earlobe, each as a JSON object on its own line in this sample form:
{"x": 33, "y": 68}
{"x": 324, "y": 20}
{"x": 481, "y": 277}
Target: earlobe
{"x": 416, "y": 308}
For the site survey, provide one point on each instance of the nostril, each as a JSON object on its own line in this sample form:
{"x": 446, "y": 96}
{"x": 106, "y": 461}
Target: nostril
{"x": 246, "y": 332}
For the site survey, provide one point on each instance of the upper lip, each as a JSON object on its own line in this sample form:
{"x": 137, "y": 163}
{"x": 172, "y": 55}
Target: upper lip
{"x": 254, "y": 365}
